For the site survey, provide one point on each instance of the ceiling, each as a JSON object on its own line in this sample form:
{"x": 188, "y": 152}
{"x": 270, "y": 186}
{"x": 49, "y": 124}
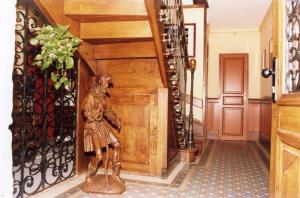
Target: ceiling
{"x": 235, "y": 14}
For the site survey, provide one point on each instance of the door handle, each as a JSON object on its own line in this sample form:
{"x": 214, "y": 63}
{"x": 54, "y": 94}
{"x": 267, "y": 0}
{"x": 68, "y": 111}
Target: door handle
{"x": 266, "y": 73}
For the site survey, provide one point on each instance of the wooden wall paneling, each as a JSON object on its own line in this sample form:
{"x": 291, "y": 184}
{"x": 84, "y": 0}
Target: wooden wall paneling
{"x": 162, "y": 128}
{"x": 212, "y": 118}
{"x": 135, "y": 136}
{"x": 125, "y": 50}
{"x": 253, "y": 119}
{"x": 115, "y": 30}
{"x": 154, "y": 135}
{"x": 84, "y": 82}
{"x": 265, "y": 123}
{"x": 210, "y": 115}
{"x": 132, "y": 72}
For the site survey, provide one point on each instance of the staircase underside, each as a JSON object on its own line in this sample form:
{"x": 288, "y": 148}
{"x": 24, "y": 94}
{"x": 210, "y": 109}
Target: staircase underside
{"x": 122, "y": 38}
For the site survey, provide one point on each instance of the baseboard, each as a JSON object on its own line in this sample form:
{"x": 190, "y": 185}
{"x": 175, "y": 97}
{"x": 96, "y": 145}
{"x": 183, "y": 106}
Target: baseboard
{"x": 253, "y": 136}
{"x": 212, "y": 134}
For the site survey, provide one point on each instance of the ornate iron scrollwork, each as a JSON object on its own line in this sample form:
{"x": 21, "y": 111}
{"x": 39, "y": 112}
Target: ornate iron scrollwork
{"x": 43, "y": 127}
{"x": 174, "y": 39}
{"x": 292, "y": 66}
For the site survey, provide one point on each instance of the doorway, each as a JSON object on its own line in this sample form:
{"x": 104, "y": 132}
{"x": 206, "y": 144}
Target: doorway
{"x": 233, "y": 96}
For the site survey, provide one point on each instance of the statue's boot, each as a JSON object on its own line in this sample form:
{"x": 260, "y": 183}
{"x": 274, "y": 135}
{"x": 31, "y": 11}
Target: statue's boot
{"x": 116, "y": 164}
{"x": 116, "y": 173}
{"x": 92, "y": 168}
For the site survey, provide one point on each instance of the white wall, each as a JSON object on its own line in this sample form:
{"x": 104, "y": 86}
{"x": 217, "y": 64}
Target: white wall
{"x": 196, "y": 15}
{"x": 7, "y": 37}
{"x": 234, "y": 41}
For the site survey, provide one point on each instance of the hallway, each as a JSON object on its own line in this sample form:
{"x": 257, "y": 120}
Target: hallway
{"x": 227, "y": 169}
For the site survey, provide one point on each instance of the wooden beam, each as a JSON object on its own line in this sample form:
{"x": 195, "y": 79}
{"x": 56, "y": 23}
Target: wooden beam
{"x": 125, "y": 50}
{"x": 106, "y": 18}
{"x": 105, "y": 7}
{"x": 153, "y": 10}
{"x": 203, "y": 3}
{"x": 115, "y": 30}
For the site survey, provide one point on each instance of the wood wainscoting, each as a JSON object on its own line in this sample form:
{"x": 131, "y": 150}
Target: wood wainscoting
{"x": 212, "y": 118}
{"x": 265, "y": 123}
{"x": 258, "y": 120}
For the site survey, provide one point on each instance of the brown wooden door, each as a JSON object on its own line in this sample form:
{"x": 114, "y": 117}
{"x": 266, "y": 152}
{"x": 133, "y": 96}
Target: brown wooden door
{"x": 285, "y": 142}
{"x": 233, "y": 88}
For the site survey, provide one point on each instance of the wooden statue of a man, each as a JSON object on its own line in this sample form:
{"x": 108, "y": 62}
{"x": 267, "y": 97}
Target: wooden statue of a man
{"x": 99, "y": 118}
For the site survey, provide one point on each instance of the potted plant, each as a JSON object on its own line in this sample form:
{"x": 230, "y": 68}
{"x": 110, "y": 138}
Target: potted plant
{"x": 58, "y": 47}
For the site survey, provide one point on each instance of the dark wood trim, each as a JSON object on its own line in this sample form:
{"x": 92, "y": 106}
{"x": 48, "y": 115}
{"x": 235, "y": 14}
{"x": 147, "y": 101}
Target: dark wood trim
{"x": 213, "y": 100}
{"x": 193, "y": 6}
{"x": 254, "y": 101}
{"x": 259, "y": 101}
{"x": 201, "y": 2}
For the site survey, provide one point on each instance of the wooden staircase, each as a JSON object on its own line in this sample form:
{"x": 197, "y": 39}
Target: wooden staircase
{"x": 123, "y": 38}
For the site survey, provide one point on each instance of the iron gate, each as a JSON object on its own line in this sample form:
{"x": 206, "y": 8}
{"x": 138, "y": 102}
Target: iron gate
{"x": 44, "y": 119}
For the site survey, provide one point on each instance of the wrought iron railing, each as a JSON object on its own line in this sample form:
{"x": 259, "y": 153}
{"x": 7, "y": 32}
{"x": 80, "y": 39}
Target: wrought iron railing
{"x": 176, "y": 55}
{"x": 44, "y": 119}
{"x": 292, "y": 43}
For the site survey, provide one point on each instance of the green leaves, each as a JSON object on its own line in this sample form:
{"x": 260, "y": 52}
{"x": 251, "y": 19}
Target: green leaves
{"x": 69, "y": 63}
{"x": 58, "y": 48}
{"x": 54, "y": 77}
{"x": 59, "y": 80}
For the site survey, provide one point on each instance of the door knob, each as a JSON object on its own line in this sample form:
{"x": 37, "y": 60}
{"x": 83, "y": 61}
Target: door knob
{"x": 266, "y": 73}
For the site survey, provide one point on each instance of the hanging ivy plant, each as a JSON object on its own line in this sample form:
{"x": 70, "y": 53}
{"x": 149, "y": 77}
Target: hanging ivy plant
{"x": 58, "y": 48}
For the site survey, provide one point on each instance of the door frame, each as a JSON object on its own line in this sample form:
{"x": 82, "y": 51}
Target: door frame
{"x": 245, "y": 97}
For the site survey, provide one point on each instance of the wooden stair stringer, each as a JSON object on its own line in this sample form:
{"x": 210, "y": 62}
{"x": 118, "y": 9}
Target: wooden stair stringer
{"x": 152, "y": 9}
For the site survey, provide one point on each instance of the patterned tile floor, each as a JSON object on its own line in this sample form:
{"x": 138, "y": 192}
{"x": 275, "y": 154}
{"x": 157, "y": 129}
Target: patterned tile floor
{"x": 226, "y": 170}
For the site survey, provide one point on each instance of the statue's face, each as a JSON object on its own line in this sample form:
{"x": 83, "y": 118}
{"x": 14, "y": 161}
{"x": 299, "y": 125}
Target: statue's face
{"x": 103, "y": 84}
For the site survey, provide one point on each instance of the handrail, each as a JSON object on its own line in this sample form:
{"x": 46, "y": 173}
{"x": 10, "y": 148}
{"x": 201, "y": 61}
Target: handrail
{"x": 176, "y": 56}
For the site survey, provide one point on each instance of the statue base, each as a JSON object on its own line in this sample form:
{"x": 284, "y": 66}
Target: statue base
{"x": 99, "y": 184}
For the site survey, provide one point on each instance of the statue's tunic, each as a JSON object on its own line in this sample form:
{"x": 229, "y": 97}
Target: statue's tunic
{"x": 97, "y": 111}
